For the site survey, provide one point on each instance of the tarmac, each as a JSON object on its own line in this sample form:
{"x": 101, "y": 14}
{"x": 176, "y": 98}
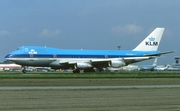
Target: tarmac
{"x": 157, "y": 94}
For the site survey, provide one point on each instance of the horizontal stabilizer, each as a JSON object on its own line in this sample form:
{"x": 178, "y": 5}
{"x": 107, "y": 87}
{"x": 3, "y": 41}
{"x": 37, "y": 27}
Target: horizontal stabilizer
{"x": 167, "y": 52}
{"x": 159, "y": 53}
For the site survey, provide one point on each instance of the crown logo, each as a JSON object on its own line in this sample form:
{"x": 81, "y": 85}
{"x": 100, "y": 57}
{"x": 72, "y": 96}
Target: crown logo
{"x": 32, "y": 52}
{"x": 151, "y": 39}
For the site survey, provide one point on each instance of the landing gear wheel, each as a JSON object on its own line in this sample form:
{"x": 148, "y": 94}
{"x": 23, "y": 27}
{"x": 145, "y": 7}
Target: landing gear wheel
{"x": 24, "y": 71}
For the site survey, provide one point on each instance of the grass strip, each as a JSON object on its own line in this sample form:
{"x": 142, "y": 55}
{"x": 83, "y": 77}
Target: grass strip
{"x": 50, "y": 75}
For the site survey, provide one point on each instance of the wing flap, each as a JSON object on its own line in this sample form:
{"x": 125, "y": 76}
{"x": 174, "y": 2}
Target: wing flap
{"x": 100, "y": 62}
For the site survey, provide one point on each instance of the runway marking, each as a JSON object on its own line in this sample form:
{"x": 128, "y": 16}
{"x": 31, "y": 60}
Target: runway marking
{"x": 87, "y": 87}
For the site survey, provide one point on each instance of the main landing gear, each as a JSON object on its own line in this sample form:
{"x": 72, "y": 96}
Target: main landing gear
{"x": 89, "y": 70}
{"x": 24, "y": 69}
{"x": 76, "y": 71}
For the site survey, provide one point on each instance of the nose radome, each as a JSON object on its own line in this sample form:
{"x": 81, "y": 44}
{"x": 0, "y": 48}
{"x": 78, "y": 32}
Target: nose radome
{"x": 7, "y": 56}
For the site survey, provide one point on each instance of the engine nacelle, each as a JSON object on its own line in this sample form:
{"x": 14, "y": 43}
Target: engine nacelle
{"x": 82, "y": 66}
{"x": 116, "y": 64}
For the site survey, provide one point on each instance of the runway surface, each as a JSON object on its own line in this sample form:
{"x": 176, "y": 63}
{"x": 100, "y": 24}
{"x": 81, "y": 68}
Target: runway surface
{"x": 90, "y": 94}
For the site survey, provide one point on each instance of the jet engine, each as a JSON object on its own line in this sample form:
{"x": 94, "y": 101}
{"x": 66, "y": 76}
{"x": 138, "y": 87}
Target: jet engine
{"x": 116, "y": 63}
{"x": 82, "y": 66}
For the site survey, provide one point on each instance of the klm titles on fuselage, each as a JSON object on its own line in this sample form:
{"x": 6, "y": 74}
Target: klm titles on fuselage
{"x": 151, "y": 42}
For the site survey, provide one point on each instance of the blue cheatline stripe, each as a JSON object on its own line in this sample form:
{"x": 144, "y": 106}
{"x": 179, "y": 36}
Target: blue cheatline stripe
{"x": 63, "y": 56}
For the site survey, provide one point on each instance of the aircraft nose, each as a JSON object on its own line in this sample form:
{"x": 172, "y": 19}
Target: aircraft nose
{"x": 8, "y": 56}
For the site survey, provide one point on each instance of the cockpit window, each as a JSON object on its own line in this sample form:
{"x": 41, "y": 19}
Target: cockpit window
{"x": 19, "y": 48}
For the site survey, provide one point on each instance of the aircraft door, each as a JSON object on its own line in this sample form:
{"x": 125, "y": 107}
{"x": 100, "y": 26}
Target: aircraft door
{"x": 54, "y": 56}
{"x": 31, "y": 56}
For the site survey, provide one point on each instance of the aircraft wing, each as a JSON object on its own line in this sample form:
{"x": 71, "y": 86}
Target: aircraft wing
{"x": 108, "y": 62}
{"x": 130, "y": 60}
{"x": 122, "y": 61}
{"x": 118, "y": 62}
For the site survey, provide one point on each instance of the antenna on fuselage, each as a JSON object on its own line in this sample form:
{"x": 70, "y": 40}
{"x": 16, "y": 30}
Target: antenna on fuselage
{"x": 119, "y": 47}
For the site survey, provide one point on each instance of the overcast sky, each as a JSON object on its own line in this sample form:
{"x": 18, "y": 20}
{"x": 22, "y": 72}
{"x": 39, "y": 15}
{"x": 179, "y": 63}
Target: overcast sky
{"x": 89, "y": 24}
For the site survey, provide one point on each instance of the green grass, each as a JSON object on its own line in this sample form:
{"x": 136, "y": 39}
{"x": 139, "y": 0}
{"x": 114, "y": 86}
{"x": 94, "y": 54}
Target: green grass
{"x": 54, "y": 75}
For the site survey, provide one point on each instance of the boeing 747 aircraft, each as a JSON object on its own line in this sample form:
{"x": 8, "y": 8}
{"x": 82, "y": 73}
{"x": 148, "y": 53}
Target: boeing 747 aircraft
{"x": 86, "y": 60}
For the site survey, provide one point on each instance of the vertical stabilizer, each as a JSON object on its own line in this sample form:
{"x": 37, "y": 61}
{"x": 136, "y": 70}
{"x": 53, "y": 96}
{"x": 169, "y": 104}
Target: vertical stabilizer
{"x": 151, "y": 42}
